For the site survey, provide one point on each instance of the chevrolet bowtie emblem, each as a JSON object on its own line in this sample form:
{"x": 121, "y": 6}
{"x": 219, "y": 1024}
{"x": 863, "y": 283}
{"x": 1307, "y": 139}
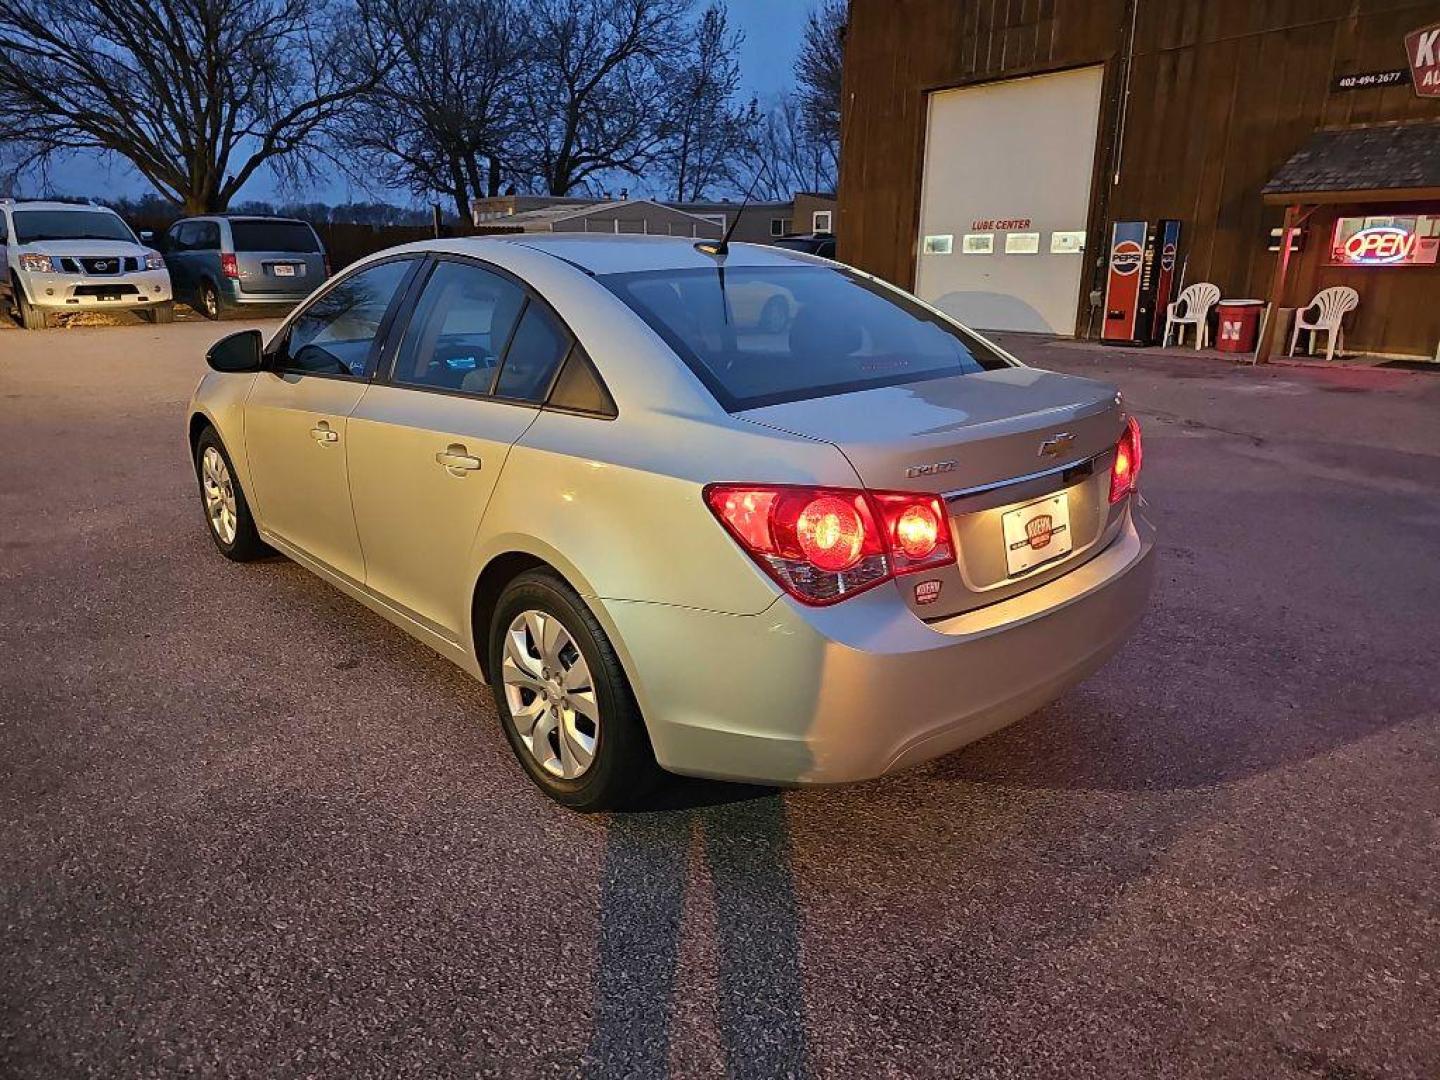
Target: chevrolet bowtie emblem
{"x": 1061, "y": 440}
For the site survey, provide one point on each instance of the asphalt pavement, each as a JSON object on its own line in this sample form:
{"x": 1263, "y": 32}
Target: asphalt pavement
{"x": 248, "y": 829}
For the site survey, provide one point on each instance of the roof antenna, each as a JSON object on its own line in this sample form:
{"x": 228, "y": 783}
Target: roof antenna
{"x": 720, "y": 250}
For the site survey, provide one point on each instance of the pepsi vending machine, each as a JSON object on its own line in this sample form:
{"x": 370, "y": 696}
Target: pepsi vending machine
{"x": 1141, "y": 280}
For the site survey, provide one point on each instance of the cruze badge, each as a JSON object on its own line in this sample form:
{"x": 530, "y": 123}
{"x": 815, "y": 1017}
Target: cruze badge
{"x": 1059, "y": 441}
{"x": 933, "y": 469}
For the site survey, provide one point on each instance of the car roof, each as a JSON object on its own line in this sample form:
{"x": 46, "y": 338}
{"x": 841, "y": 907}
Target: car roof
{"x": 609, "y": 253}
{"x": 47, "y": 204}
{"x": 241, "y": 217}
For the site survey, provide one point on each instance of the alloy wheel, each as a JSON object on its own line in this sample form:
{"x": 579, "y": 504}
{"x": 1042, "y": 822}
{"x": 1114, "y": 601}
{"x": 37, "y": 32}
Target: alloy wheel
{"x": 219, "y": 493}
{"x": 550, "y": 694}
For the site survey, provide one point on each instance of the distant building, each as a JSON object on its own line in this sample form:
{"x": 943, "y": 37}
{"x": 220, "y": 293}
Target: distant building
{"x": 991, "y": 150}
{"x": 760, "y": 222}
{"x": 530, "y": 213}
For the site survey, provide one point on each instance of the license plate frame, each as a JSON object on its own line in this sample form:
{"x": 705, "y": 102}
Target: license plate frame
{"x": 1036, "y": 533}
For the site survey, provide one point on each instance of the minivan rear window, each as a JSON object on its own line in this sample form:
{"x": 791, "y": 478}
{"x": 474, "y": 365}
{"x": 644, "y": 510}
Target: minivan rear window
{"x": 760, "y": 336}
{"x": 273, "y": 236}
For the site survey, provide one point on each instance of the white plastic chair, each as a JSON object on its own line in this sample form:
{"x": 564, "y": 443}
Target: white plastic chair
{"x": 1192, "y": 308}
{"x": 1332, "y": 304}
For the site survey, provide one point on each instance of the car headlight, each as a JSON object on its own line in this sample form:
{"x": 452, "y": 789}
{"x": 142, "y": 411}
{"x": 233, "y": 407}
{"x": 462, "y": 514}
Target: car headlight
{"x": 37, "y": 264}
{"x": 154, "y": 261}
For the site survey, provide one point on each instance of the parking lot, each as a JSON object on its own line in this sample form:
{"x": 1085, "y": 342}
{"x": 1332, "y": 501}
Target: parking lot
{"x": 249, "y": 829}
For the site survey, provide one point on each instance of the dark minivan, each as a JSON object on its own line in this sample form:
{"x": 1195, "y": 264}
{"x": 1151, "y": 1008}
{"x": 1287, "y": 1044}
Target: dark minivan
{"x": 223, "y": 261}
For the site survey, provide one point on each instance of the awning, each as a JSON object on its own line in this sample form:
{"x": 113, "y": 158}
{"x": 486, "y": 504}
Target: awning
{"x": 1377, "y": 163}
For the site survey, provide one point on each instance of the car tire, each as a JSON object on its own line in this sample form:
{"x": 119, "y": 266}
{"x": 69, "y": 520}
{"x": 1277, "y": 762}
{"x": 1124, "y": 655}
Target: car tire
{"x": 211, "y": 306}
{"x": 621, "y": 770}
{"x": 775, "y": 315}
{"x": 31, "y": 317}
{"x": 164, "y": 313}
{"x": 227, "y": 513}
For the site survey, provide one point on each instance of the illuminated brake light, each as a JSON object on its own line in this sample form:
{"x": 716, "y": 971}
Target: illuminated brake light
{"x": 823, "y": 545}
{"x": 1129, "y": 455}
{"x": 831, "y": 533}
{"x": 917, "y": 531}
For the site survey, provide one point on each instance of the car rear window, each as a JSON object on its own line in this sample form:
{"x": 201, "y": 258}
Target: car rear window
{"x": 273, "y": 236}
{"x": 764, "y": 335}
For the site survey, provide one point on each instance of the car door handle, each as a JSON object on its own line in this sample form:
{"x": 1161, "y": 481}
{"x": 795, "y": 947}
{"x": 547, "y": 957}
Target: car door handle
{"x": 456, "y": 461}
{"x": 322, "y": 434}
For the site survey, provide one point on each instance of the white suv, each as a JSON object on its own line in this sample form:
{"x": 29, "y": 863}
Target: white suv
{"x": 57, "y": 257}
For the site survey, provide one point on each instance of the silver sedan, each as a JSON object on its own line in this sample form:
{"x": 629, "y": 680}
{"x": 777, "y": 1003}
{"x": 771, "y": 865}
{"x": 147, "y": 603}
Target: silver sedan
{"x": 740, "y": 513}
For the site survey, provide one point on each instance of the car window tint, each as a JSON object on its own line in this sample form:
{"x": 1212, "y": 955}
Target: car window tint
{"x": 4, "y": 230}
{"x": 208, "y": 236}
{"x": 762, "y": 335}
{"x": 335, "y": 335}
{"x": 459, "y": 329}
{"x": 294, "y": 236}
{"x": 579, "y": 386}
{"x": 539, "y": 344}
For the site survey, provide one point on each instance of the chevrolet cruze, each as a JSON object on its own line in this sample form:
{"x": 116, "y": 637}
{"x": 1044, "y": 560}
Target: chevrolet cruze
{"x": 670, "y": 531}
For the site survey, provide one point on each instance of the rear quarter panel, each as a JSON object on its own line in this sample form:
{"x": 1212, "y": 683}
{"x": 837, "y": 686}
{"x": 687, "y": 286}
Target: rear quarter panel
{"x": 618, "y": 505}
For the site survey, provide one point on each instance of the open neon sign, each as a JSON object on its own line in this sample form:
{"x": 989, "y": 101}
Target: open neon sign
{"x": 1399, "y": 241}
{"x": 1379, "y": 245}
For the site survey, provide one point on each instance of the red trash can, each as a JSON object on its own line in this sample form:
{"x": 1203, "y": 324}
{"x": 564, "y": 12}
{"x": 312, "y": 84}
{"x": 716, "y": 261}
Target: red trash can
{"x": 1238, "y": 323}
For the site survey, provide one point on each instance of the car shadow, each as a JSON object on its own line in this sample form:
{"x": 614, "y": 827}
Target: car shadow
{"x": 759, "y": 1005}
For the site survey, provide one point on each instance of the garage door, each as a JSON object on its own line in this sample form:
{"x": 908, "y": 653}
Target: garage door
{"x": 1005, "y": 200}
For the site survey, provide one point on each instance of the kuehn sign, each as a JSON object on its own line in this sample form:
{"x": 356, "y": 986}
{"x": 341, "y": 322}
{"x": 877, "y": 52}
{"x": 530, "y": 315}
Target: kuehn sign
{"x": 1423, "y": 47}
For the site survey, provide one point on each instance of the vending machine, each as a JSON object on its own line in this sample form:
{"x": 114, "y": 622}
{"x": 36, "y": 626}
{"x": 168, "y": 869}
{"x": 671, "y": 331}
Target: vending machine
{"x": 1141, "y": 280}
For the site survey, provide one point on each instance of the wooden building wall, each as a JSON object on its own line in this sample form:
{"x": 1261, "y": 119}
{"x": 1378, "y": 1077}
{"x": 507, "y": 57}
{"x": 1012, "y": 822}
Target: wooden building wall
{"x": 1222, "y": 93}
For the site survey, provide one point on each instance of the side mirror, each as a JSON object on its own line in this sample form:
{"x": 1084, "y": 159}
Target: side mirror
{"x": 147, "y": 236}
{"x": 244, "y": 351}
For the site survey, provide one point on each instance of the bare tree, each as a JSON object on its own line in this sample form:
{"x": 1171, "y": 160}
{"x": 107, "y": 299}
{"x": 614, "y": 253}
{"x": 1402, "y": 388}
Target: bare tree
{"x": 444, "y": 112}
{"x": 707, "y": 128}
{"x": 783, "y": 156}
{"x": 595, "y": 94}
{"x": 817, "y": 72}
{"x": 195, "y": 94}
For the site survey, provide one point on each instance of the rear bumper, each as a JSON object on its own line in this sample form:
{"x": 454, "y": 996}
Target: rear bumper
{"x": 864, "y": 688}
{"x": 234, "y": 294}
{"x": 76, "y": 292}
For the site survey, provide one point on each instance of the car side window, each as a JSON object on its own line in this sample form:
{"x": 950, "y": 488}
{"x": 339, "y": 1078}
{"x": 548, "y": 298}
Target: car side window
{"x": 180, "y": 237}
{"x": 579, "y": 387}
{"x": 208, "y": 236}
{"x": 459, "y": 329}
{"x": 336, "y": 334}
{"x": 4, "y": 230}
{"x": 536, "y": 349}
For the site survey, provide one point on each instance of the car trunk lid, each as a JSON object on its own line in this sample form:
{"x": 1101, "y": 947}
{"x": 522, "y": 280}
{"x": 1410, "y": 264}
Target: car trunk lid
{"x": 991, "y": 442}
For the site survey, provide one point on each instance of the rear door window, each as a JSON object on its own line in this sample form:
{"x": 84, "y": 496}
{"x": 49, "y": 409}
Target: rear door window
{"x": 292, "y": 236}
{"x": 459, "y": 329}
{"x": 760, "y": 336}
{"x": 535, "y": 352}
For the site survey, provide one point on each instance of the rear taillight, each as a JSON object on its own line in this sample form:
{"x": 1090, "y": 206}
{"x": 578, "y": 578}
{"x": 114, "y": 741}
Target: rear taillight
{"x": 823, "y": 545}
{"x": 229, "y": 267}
{"x": 1129, "y": 454}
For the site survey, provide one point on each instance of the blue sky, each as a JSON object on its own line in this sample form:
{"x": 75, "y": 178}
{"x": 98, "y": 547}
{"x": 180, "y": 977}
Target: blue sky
{"x": 767, "y": 60}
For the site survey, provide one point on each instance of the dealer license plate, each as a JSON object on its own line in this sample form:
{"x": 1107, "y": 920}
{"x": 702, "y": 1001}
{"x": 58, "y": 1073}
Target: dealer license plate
{"x": 1037, "y": 533}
